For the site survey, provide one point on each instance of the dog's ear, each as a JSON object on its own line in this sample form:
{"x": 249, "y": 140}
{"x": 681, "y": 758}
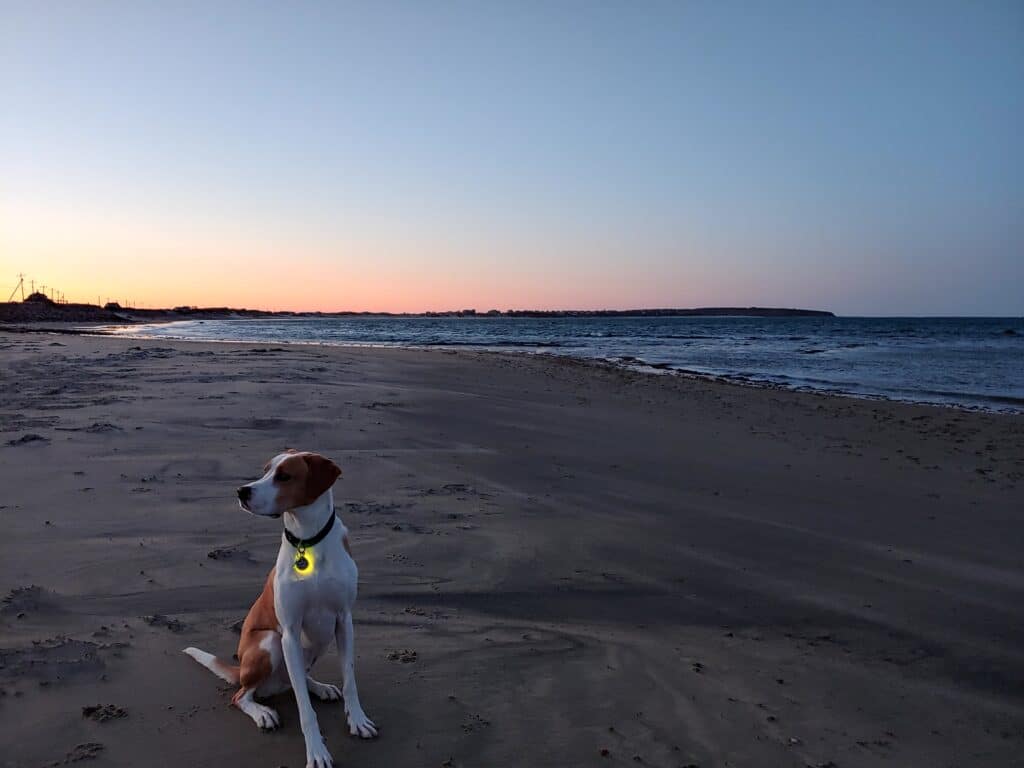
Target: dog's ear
{"x": 322, "y": 474}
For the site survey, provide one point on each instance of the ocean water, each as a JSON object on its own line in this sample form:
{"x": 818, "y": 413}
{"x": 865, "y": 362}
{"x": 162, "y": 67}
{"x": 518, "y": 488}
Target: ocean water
{"x": 971, "y": 362}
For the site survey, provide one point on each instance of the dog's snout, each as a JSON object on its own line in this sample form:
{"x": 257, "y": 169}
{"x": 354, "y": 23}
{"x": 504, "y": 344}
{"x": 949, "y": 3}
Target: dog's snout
{"x": 244, "y": 493}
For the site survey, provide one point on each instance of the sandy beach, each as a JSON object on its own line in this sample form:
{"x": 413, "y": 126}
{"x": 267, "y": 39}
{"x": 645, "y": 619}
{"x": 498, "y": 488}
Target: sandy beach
{"x": 562, "y": 563}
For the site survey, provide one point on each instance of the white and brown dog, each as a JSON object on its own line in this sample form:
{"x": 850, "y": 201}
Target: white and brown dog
{"x": 306, "y": 603}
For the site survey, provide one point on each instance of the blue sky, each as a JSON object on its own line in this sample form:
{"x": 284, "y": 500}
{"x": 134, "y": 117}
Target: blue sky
{"x": 860, "y": 157}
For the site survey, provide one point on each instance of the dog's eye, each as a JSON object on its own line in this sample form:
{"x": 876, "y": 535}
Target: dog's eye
{"x": 282, "y": 477}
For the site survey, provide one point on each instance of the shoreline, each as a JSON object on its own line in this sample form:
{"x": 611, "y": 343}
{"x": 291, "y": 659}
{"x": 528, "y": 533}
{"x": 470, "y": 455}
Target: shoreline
{"x": 656, "y": 566}
{"x": 1011, "y": 406}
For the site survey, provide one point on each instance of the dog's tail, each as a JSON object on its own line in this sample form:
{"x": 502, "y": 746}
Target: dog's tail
{"x": 226, "y": 672}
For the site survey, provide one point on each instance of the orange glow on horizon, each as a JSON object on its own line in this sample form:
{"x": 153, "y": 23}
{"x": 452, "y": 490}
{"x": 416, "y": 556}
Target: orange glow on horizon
{"x": 273, "y": 283}
{"x": 139, "y": 259}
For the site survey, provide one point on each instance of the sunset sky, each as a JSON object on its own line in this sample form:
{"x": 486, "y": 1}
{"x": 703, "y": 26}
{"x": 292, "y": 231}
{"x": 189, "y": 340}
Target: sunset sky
{"x": 860, "y": 157}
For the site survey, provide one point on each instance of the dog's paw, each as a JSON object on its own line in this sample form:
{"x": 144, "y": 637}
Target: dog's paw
{"x": 317, "y": 756}
{"x": 265, "y": 717}
{"x": 360, "y": 725}
{"x": 324, "y": 691}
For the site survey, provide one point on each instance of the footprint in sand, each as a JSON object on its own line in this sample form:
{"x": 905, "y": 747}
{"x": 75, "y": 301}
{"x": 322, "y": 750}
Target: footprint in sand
{"x": 103, "y": 713}
{"x": 31, "y": 437}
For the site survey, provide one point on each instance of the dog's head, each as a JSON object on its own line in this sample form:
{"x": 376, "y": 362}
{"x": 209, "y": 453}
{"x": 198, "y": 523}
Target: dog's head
{"x": 290, "y": 480}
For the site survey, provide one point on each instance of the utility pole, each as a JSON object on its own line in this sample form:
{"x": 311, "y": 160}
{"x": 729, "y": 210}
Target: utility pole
{"x": 21, "y": 285}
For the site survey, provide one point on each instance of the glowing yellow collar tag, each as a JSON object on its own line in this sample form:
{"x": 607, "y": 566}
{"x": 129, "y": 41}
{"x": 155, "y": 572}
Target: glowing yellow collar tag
{"x": 303, "y": 562}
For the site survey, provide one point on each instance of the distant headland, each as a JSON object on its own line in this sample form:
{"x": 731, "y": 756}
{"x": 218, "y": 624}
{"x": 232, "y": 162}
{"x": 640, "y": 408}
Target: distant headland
{"x": 39, "y": 308}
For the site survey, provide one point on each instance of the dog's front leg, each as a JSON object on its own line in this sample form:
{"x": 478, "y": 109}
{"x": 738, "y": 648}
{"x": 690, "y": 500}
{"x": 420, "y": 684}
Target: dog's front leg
{"x": 317, "y": 755}
{"x": 358, "y": 723}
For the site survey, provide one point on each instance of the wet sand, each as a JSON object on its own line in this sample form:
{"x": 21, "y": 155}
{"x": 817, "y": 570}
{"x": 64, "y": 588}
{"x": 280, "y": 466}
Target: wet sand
{"x": 562, "y": 564}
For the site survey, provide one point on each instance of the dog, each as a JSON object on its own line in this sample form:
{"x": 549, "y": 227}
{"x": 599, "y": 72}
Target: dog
{"x": 306, "y": 603}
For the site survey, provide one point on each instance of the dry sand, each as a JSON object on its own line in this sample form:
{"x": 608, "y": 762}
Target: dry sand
{"x": 556, "y": 559}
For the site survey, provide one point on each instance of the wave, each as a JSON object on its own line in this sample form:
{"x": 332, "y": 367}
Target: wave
{"x": 958, "y": 397}
{"x": 483, "y": 343}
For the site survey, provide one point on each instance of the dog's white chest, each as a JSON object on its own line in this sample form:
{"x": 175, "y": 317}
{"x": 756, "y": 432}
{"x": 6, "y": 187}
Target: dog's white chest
{"x": 314, "y": 598}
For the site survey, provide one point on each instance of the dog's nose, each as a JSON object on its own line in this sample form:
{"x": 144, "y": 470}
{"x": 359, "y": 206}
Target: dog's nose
{"x": 244, "y": 493}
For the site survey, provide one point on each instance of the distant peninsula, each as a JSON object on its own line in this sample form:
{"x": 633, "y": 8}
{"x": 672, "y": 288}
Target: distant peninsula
{"x": 39, "y": 308}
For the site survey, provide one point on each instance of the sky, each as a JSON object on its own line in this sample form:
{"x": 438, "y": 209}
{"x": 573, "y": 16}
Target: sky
{"x": 862, "y": 157}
